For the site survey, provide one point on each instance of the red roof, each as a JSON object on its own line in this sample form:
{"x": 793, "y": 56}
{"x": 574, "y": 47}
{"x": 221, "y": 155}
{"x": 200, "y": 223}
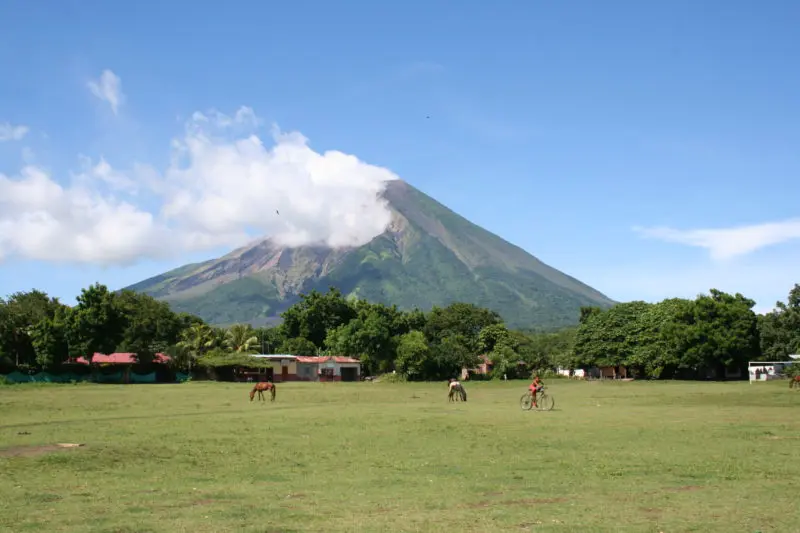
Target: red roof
{"x": 323, "y": 359}
{"x": 120, "y": 358}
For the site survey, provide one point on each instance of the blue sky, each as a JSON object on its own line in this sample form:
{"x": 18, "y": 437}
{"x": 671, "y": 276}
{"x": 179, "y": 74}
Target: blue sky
{"x": 648, "y": 150}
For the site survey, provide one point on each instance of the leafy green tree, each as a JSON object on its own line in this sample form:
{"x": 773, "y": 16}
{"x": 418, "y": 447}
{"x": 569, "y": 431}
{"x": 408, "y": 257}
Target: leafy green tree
{"x": 49, "y": 339}
{"x": 495, "y": 335}
{"x": 22, "y": 312}
{"x": 547, "y": 350}
{"x": 719, "y": 330}
{"x": 504, "y": 361}
{"x": 298, "y": 346}
{"x": 370, "y": 337}
{"x": 412, "y": 354}
{"x": 609, "y": 338}
{"x": 779, "y": 330}
{"x": 460, "y": 320}
{"x": 96, "y": 324}
{"x": 315, "y": 314}
{"x": 269, "y": 339}
{"x": 149, "y": 326}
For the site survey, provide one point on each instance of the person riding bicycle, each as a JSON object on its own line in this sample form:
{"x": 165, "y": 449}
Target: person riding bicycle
{"x": 535, "y": 387}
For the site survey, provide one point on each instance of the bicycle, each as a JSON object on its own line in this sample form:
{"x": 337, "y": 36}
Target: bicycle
{"x": 544, "y": 402}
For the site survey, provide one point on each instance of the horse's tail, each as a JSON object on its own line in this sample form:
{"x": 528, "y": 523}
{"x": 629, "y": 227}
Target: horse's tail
{"x": 273, "y": 392}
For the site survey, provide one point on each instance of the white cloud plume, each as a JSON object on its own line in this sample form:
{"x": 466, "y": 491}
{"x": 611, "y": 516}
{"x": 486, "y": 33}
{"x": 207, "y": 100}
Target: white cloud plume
{"x": 109, "y": 89}
{"x": 12, "y": 133}
{"x": 726, "y": 243}
{"x": 223, "y": 187}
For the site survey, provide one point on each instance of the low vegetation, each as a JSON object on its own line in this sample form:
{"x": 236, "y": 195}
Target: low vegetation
{"x": 674, "y": 338}
{"x": 374, "y": 457}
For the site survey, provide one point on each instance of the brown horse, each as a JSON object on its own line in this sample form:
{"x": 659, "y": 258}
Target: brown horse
{"x": 260, "y": 387}
{"x": 794, "y": 382}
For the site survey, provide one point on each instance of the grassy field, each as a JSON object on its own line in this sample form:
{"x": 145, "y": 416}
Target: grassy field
{"x": 650, "y": 457}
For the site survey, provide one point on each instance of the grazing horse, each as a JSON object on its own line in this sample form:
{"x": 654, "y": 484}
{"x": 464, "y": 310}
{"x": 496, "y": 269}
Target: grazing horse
{"x": 260, "y": 387}
{"x": 794, "y": 382}
{"x": 456, "y": 391}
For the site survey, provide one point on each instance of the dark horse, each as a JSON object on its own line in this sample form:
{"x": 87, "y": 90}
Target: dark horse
{"x": 260, "y": 388}
{"x": 456, "y": 391}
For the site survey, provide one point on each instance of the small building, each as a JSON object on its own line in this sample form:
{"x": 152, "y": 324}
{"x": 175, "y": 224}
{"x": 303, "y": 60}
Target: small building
{"x": 483, "y": 369}
{"x": 328, "y": 368}
{"x": 123, "y": 358}
{"x": 118, "y": 367}
{"x": 283, "y": 367}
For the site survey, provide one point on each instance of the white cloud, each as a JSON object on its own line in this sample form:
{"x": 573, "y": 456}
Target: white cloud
{"x": 12, "y": 133}
{"x": 109, "y": 89}
{"x": 220, "y": 189}
{"x": 726, "y": 243}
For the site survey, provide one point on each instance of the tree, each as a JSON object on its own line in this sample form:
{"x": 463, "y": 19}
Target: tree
{"x": 494, "y": 335}
{"x": 49, "y": 339}
{"x": 719, "y": 330}
{"x": 195, "y": 342}
{"x": 779, "y": 330}
{"x": 368, "y": 337}
{"x": 461, "y": 320}
{"x": 412, "y": 354}
{"x": 298, "y": 346}
{"x": 241, "y": 338}
{"x": 21, "y": 313}
{"x": 315, "y": 314}
{"x": 149, "y": 326}
{"x": 96, "y": 324}
{"x": 609, "y": 338}
{"x": 547, "y": 350}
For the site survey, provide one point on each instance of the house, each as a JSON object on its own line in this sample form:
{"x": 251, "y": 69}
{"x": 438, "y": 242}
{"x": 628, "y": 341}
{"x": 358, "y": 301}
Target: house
{"x": 283, "y": 367}
{"x": 328, "y": 368}
{"x": 484, "y": 368}
{"x": 118, "y": 367}
{"x": 124, "y": 358}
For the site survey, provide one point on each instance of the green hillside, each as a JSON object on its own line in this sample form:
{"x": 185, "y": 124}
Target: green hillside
{"x": 428, "y": 256}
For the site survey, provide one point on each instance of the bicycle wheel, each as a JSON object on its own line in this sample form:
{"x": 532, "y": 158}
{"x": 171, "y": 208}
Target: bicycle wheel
{"x": 526, "y": 402}
{"x": 546, "y": 402}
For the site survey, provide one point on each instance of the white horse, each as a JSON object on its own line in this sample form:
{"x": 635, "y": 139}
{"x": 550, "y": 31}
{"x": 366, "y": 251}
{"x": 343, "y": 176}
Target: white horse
{"x": 456, "y": 391}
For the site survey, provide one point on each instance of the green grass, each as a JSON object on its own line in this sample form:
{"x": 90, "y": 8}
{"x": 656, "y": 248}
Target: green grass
{"x": 649, "y": 457}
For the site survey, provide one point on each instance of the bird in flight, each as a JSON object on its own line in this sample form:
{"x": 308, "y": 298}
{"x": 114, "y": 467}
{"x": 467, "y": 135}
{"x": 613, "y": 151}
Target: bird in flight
{"x": 277, "y": 211}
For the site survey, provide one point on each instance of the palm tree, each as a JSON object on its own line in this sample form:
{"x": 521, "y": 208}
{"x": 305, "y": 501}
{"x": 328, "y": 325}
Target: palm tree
{"x": 196, "y": 341}
{"x": 241, "y": 338}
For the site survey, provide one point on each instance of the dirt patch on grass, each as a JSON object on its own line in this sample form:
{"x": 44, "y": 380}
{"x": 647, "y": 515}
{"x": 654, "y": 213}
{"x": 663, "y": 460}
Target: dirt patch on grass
{"x": 207, "y": 501}
{"x": 525, "y": 501}
{"x": 684, "y": 488}
{"x": 35, "y": 451}
{"x": 295, "y": 496}
{"x": 779, "y": 437}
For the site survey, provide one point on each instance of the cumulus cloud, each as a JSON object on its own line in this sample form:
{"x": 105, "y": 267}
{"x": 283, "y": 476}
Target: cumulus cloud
{"x": 726, "y": 243}
{"x": 12, "y": 133}
{"x": 223, "y": 187}
{"x": 109, "y": 89}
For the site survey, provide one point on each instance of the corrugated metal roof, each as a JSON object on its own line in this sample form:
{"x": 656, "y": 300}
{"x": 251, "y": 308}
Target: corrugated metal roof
{"x": 122, "y": 358}
{"x": 325, "y": 359}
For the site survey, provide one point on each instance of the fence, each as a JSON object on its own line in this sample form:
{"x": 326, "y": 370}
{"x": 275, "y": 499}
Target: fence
{"x": 68, "y": 377}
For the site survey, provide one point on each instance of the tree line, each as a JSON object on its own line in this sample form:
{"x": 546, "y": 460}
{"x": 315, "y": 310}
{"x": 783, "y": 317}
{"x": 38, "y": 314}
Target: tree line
{"x": 672, "y": 338}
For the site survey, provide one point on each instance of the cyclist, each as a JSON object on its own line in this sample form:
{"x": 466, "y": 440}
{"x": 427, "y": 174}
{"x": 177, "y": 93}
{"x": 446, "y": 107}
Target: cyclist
{"x": 535, "y": 387}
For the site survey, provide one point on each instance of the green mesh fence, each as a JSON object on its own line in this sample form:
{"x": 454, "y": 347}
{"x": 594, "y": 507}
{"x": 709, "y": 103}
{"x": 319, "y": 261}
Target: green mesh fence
{"x": 68, "y": 377}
